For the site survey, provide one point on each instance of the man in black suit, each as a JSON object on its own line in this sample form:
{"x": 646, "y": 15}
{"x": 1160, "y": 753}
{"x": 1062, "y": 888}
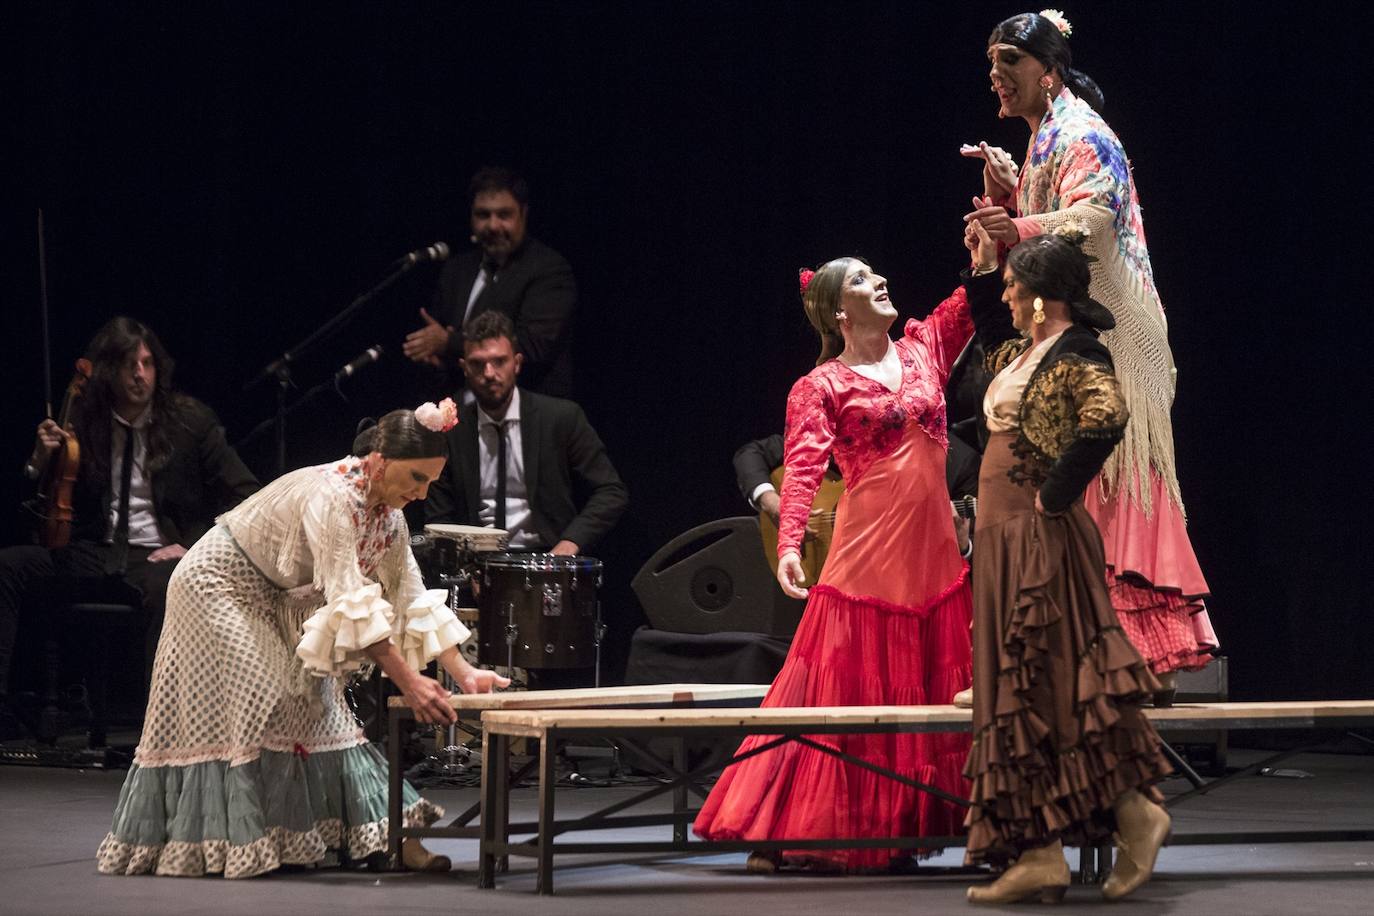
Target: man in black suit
{"x": 508, "y": 272}
{"x": 155, "y": 471}
{"x": 524, "y": 462}
{"x": 560, "y": 492}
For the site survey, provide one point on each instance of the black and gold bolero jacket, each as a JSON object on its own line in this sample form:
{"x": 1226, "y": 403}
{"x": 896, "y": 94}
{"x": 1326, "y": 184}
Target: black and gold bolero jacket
{"x": 1072, "y": 415}
{"x": 1072, "y": 412}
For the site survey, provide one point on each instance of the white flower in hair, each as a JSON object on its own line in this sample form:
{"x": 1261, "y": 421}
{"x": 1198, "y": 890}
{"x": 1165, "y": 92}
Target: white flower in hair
{"x": 439, "y": 418}
{"x": 1060, "y": 22}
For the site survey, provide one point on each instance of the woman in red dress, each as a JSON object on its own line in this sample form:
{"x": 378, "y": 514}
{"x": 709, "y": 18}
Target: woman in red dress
{"x": 888, "y": 622}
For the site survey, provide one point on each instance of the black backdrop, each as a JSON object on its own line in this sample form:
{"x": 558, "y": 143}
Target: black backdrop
{"x": 234, "y": 173}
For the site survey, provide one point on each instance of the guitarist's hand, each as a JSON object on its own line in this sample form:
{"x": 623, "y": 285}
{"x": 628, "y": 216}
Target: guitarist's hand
{"x": 813, "y": 530}
{"x": 769, "y": 503}
{"x": 791, "y": 576}
{"x": 961, "y": 533}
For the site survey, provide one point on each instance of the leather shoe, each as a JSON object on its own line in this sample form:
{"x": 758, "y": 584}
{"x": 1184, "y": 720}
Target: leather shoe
{"x": 1141, "y": 829}
{"x": 1039, "y": 872}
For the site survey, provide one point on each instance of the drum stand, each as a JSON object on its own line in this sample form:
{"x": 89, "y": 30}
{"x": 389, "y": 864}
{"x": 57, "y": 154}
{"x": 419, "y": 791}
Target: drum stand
{"x": 598, "y": 634}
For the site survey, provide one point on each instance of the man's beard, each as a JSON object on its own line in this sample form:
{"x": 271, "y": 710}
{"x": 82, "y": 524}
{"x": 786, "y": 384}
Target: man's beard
{"x": 490, "y": 406}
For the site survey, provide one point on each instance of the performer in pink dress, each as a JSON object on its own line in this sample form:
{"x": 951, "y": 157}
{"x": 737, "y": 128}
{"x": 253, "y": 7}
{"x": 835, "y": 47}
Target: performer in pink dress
{"x": 888, "y": 622}
{"x": 1076, "y": 171}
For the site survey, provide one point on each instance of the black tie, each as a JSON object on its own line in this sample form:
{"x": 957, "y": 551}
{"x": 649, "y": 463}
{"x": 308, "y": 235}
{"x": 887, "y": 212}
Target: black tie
{"x": 119, "y": 557}
{"x": 501, "y": 475}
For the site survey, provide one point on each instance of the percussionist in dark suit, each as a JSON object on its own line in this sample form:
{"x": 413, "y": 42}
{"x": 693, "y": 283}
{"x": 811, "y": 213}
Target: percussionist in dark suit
{"x": 525, "y": 462}
{"x": 508, "y": 272}
{"x": 560, "y": 493}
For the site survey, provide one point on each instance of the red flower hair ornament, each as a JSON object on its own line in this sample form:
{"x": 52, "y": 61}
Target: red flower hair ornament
{"x": 804, "y": 278}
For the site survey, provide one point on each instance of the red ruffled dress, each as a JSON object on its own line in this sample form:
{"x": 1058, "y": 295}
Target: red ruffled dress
{"x": 888, "y": 623}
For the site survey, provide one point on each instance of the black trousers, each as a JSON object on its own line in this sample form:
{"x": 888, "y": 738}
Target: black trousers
{"x": 38, "y": 584}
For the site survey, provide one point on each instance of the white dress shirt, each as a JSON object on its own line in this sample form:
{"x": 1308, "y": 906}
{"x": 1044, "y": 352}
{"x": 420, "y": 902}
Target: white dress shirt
{"x": 518, "y": 521}
{"x": 142, "y": 515}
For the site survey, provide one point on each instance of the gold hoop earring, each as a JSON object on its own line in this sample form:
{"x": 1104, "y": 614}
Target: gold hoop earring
{"x": 1038, "y": 316}
{"x": 1047, "y": 84}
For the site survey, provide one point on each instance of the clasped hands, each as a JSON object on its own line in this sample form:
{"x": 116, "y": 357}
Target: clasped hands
{"x": 999, "y": 183}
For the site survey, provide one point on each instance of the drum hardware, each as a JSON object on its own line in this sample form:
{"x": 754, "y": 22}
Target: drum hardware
{"x": 553, "y": 600}
{"x": 512, "y": 634}
{"x": 598, "y": 635}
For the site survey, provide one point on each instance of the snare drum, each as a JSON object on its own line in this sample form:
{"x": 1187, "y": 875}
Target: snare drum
{"x": 538, "y": 610}
{"x": 456, "y": 549}
{"x": 470, "y": 539}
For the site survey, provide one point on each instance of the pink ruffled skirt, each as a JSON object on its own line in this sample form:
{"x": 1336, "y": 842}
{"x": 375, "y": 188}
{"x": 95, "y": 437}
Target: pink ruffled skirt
{"x": 1153, "y": 577}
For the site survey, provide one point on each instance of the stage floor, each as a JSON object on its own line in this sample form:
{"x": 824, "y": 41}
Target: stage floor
{"x": 54, "y": 819}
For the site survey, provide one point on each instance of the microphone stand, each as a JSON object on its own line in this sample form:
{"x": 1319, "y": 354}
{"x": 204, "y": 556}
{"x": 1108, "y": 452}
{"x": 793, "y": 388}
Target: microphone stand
{"x": 285, "y": 410}
{"x": 280, "y": 368}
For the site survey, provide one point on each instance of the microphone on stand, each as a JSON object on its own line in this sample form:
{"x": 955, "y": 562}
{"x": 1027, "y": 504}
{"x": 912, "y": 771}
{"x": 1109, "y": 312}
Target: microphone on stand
{"x": 362, "y": 361}
{"x": 436, "y": 252}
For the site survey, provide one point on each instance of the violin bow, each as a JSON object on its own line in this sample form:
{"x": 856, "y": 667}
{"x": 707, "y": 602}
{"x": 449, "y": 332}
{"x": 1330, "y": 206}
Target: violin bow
{"x": 43, "y": 298}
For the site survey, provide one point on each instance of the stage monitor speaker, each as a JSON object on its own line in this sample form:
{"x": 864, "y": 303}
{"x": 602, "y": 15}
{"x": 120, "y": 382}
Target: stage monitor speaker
{"x": 713, "y": 579}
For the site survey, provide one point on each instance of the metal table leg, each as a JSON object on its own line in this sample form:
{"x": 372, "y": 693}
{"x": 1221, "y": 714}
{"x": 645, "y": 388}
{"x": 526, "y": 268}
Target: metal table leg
{"x": 680, "y": 790}
{"x": 394, "y": 793}
{"x": 493, "y": 827}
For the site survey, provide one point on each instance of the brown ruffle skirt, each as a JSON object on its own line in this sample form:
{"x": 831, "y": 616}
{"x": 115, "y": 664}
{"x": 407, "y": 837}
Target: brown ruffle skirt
{"x": 1058, "y": 731}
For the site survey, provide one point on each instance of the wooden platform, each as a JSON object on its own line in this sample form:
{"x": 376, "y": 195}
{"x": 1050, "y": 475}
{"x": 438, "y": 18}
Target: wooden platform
{"x": 629, "y": 728}
{"x": 905, "y": 719}
{"x": 471, "y": 707}
{"x": 583, "y": 697}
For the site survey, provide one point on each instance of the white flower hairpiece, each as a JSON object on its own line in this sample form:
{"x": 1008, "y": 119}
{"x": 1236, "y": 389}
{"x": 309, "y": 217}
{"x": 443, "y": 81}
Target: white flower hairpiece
{"x": 1060, "y": 22}
{"x": 439, "y": 418}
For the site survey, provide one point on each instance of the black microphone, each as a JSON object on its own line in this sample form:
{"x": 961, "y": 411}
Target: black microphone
{"x": 362, "y": 361}
{"x": 436, "y": 252}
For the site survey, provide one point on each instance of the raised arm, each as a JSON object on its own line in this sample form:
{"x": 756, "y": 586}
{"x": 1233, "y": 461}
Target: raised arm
{"x": 944, "y": 332}
{"x": 983, "y": 285}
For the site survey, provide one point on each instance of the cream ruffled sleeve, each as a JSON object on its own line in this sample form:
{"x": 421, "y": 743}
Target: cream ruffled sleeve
{"x": 355, "y": 615}
{"x": 423, "y": 626}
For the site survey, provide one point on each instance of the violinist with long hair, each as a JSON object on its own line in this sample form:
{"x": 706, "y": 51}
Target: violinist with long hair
{"x": 154, "y": 470}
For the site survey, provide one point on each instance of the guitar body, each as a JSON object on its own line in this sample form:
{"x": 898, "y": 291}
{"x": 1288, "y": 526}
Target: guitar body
{"x": 813, "y": 550}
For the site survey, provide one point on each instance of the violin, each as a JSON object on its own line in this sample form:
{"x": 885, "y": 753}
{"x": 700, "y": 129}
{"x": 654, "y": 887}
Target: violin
{"x": 54, "y": 502}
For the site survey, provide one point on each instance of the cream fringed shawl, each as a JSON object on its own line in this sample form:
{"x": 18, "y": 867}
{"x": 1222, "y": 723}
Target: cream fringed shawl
{"x": 311, "y": 531}
{"x": 1077, "y": 172}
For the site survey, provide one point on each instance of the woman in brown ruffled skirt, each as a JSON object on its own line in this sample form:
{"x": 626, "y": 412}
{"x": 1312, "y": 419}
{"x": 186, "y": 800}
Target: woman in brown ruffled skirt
{"x": 1061, "y": 752}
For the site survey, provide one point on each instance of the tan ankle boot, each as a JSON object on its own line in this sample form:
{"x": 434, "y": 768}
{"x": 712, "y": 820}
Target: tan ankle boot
{"x": 1041, "y": 872}
{"x": 963, "y": 699}
{"x": 1141, "y": 829}
{"x": 416, "y": 857}
{"x": 763, "y": 862}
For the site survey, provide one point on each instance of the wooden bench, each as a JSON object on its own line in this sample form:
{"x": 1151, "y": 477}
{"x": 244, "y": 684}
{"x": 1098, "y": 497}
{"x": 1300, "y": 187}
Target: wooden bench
{"x": 630, "y": 729}
{"x": 470, "y": 708}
